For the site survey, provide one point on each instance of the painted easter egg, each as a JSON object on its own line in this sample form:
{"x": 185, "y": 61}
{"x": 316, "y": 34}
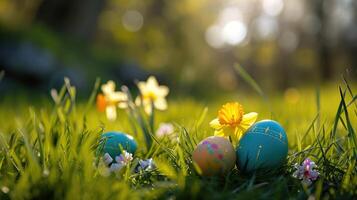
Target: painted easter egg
{"x": 214, "y": 156}
{"x": 263, "y": 146}
{"x": 114, "y": 142}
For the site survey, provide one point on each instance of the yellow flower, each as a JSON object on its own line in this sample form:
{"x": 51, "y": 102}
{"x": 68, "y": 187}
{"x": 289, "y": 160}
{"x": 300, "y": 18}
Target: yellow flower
{"x": 110, "y": 99}
{"x": 232, "y": 122}
{"x": 152, "y": 94}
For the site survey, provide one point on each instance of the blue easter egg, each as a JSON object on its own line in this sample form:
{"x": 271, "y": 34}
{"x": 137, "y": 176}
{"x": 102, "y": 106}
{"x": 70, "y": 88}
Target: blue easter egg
{"x": 114, "y": 142}
{"x": 263, "y": 146}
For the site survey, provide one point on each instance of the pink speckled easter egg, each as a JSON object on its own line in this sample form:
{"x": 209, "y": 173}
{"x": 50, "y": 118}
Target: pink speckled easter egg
{"x": 214, "y": 156}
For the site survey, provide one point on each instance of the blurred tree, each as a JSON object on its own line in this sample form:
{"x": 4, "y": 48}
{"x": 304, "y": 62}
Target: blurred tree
{"x": 194, "y": 44}
{"x": 75, "y": 17}
{"x": 325, "y": 65}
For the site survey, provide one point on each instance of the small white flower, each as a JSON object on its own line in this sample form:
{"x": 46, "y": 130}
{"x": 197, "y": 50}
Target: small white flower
{"x": 165, "y": 129}
{"x": 125, "y": 158}
{"x": 306, "y": 171}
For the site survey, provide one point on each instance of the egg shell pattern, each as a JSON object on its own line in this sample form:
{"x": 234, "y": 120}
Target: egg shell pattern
{"x": 214, "y": 155}
{"x": 263, "y": 146}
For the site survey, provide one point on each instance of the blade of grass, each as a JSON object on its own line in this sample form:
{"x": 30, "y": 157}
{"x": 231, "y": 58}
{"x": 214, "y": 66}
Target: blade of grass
{"x": 250, "y": 80}
{"x": 39, "y": 138}
{"x": 310, "y": 127}
{"x": 92, "y": 96}
{"x": 337, "y": 118}
{"x": 318, "y": 105}
{"x": 351, "y": 132}
{"x": 244, "y": 74}
{"x": 321, "y": 148}
{"x": 352, "y": 101}
{"x": 14, "y": 159}
{"x": 202, "y": 117}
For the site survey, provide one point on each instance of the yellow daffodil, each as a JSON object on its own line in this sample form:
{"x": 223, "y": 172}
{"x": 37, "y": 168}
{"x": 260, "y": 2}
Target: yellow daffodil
{"x": 232, "y": 122}
{"x": 152, "y": 94}
{"x": 110, "y": 100}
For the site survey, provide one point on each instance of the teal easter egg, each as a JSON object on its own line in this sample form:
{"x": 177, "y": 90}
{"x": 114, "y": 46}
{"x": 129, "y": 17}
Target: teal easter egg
{"x": 263, "y": 146}
{"x": 114, "y": 142}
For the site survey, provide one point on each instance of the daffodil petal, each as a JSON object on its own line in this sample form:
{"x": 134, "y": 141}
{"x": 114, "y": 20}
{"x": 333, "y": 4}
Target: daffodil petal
{"x": 248, "y": 120}
{"x": 215, "y": 124}
{"x": 111, "y": 112}
{"x": 117, "y": 96}
{"x": 230, "y": 113}
{"x": 123, "y": 105}
{"x": 138, "y": 101}
{"x": 108, "y": 88}
{"x": 219, "y": 133}
{"x": 142, "y": 87}
{"x": 152, "y": 82}
{"x": 238, "y": 133}
{"x": 163, "y": 91}
{"x": 147, "y": 108}
{"x": 226, "y": 130}
{"x": 234, "y": 139}
{"x": 160, "y": 104}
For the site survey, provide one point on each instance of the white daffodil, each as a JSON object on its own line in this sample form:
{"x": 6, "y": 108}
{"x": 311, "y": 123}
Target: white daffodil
{"x": 152, "y": 94}
{"x": 110, "y": 100}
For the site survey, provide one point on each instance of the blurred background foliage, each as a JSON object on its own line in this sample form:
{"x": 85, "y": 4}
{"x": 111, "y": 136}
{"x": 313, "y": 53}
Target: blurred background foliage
{"x": 190, "y": 45}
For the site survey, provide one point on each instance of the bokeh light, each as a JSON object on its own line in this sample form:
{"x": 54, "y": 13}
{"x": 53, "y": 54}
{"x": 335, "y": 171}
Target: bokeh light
{"x": 273, "y": 7}
{"x": 132, "y": 20}
{"x": 234, "y": 32}
{"x": 214, "y": 37}
{"x": 266, "y": 27}
{"x": 292, "y": 95}
{"x": 289, "y": 41}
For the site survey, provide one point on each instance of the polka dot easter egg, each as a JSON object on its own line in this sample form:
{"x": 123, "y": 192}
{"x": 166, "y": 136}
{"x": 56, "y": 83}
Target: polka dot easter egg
{"x": 114, "y": 143}
{"x": 214, "y": 156}
{"x": 263, "y": 146}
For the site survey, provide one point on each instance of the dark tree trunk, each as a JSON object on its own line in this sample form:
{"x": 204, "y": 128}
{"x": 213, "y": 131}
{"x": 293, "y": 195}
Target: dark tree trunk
{"x": 351, "y": 43}
{"x": 74, "y": 17}
{"x": 324, "y": 52}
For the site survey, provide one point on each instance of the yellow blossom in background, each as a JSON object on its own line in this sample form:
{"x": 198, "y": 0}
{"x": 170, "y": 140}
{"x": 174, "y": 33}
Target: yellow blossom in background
{"x": 232, "y": 122}
{"x": 110, "y": 100}
{"x": 152, "y": 94}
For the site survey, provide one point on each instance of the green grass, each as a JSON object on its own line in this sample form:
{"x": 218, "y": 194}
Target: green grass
{"x": 48, "y": 151}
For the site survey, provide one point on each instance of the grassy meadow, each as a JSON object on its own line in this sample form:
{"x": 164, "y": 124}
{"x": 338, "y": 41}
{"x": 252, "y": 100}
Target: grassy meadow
{"x": 48, "y": 148}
